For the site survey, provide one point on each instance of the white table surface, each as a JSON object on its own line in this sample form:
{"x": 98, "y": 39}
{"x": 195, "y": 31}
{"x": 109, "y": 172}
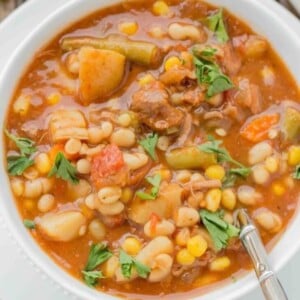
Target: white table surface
{"x": 19, "y": 280}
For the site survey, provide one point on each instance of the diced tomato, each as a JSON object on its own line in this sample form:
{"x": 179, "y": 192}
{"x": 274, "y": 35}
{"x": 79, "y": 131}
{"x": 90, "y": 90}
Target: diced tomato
{"x": 154, "y": 220}
{"x": 257, "y": 129}
{"x": 55, "y": 150}
{"x": 109, "y": 162}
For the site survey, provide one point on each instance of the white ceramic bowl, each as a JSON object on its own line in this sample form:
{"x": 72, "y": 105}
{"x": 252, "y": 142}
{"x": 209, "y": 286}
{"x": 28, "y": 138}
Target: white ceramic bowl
{"x": 266, "y": 20}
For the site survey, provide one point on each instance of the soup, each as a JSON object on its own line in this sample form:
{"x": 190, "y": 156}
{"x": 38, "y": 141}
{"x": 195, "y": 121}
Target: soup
{"x": 135, "y": 135}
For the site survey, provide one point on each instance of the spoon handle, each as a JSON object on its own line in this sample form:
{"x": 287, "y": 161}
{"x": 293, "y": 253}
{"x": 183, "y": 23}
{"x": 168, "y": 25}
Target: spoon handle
{"x": 251, "y": 240}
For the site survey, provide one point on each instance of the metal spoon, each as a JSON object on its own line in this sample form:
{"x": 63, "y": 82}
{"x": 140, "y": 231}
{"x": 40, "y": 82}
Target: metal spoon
{"x": 251, "y": 240}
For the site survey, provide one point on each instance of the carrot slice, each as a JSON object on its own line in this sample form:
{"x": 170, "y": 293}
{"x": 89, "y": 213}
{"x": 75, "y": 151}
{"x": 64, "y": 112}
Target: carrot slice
{"x": 154, "y": 220}
{"x": 257, "y": 129}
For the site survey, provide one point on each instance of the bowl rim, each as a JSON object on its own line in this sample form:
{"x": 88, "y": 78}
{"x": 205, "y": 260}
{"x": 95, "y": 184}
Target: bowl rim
{"x": 42, "y": 261}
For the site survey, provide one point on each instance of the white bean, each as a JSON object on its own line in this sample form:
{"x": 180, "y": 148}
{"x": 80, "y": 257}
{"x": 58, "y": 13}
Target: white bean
{"x": 109, "y": 195}
{"x": 46, "y": 203}
{"x": 111, "y": 209}
{"x": 186, "y": 216}
{"x": 31, "y": 173}
{"x": 163, "y": 143}
{"x": 83, "y": 166}
{"x": 97, "y": 229}
{"x": 33, "y": 188}
{"x": 269, "y": 221}
{"x": 164, "y": 227}
{"x": 247, "y": 195}
{"x": 259, "y": 153}
{"x": 182, "y": 32}
{"x": 62, "y": 226}
{"x": 72, "y": 146}
{"x": 17, "y": 186}
{"x": 47, "y": 184}
{"x": 124, "y": 120}
{"x": 91, "y": 201}
{"x": 135, "y": 160}
{"x": 161, "y": 267}
{"x": 260, "y": 174}
{"x": 95, "y": 135}
{"x": 123, "y": 137}
{"x": 107, "y": 128}
{"x": 82, "y": 189}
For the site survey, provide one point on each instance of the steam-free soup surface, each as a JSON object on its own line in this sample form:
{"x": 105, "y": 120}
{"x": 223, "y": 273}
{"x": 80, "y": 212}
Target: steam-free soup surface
{"x": 135, "y": 135}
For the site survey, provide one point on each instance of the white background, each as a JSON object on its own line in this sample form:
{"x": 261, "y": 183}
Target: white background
{"x": 19, "y": 280}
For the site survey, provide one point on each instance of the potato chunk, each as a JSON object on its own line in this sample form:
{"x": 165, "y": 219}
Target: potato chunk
{"x": 62, "y": 226}
{"x": 167, "y": 202}
{"x": 66, "y": 124}
{"x": 100, "y": 73}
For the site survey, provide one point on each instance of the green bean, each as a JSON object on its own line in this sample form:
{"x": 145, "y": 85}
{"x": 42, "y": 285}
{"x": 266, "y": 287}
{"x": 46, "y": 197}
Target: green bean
{"x": 189, "y": 158}
{"x": 143, "y": 53}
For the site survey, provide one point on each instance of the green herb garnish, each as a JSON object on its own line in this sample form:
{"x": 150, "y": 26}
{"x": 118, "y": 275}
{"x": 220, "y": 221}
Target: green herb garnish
{"x": 210, "y": 73}
{"x": 63, "y": 169}
{"x": 149, "y": 143}
{"x": 25, "y": 145}
{"x": 29, "y": 224}
{"x": 296, "y": 174}
{"x": 233, "y": 174}
{"x": 128, "y": 263}
{"x": 16, "y": 165}
{"x": 155, "y": 182}
{"x": 216, "y": 24}
{"x": 99, "y": 253}
{"x": 219, "y": 230}
{"x": 91, "y": 278}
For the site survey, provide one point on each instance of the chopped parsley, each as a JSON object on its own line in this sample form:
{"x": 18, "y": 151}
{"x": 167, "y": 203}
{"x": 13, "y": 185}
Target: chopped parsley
{"x": 219, "y": 230}
{"x": 25, "y": 145}
{"x": 296, "y": 174}
{"x": 233, "y": 174}
{"x": 216, "y": 24}
{"x": 29, "y": 224}
{"x": 16, "y": 165}
{"x": 99, "y": 253}
{"x": 63, "y": 169}
{"x": 128, "y": 263}
{"x": 149, "y": 143}
{"x": 210, "y": 74}
{"x": 155, "y": 182}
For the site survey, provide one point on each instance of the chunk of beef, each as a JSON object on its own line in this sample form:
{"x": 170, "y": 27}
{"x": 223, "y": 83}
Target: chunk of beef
{"x": 151, "y": 103}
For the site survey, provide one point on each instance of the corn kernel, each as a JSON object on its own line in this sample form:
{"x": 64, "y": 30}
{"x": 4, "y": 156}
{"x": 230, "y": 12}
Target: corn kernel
{"x": 132, "y": 246}
{"x": 129, "y": 28}
{"x": 228, "y": 199}
{"x": 215, "y": 172}
{"x": 272, "y": 164}
{"x": 294, "y": 155}
{"x": 165, "y": 174}
{"x": 182, "y": 237}
{"x": 127, "y": 195}
{"x": 185, "y": 258}
{"x": 220, "y": 264}
{"x": 53, "y": 98}
{"x": 197, "y": 245}
{"x": 86, "y": 211}
{"x": 172, "y": 62}
{"x": 21, "y": 105}
{"x": 29, "y": 204}
{"x": 213, "y": 199}
{"x": 43, "y": 163}
{"x": 110, "y": 267}
{"x": 278, "y": 189}
{"x": 160, "y": 8}
{"x": 146, "y": 79}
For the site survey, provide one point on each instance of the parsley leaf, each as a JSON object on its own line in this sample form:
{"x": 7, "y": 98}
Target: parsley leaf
{"x": 213, "y": 146}
{"x": 63, "y": 169}
{"x": 296, "y": 174}
{"x": 16, "y": 165}
{"x": 127, "y": 263}
{"x": 149, "y": 143}
{"x": 216, "y": 24}
{"x": 155, "y": 182}
{"x": 25, "y": 145}
{"x": 219, "y": 230}
{"x": 233, "y": 174}
{"x": 210, "y": 73}
{"x": 29, "y": 224}
{"x": 91, "y": 278}
{"x": 99, "y": 253}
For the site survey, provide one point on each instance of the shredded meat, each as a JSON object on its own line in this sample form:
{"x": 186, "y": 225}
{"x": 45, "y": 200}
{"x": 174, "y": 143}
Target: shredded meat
{"x": 213, "y": 115}
{"x": 231, "y": 60}
{"x": 193, "y": 97}
{"x": 203, "y": 184}
{"x": 178, "y": 76}
{"x": 153, "y": 108}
